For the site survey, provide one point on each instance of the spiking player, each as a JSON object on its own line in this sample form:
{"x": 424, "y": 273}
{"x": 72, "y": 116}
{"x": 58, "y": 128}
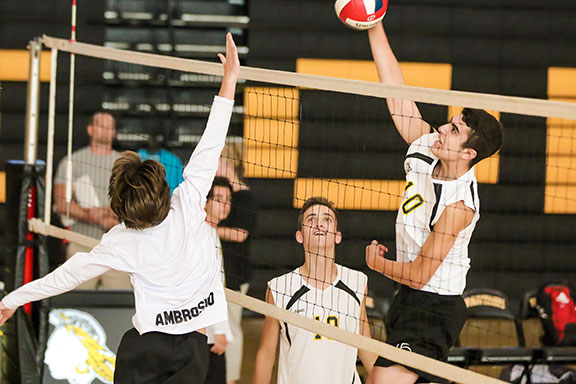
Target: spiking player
{"x": 166, "y": 248}
{"x": 322, "y": 290}
{"x": 439, "y": 211}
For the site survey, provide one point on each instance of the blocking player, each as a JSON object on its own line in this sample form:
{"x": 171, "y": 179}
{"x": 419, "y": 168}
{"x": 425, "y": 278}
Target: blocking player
{"x": 162, "y": 243}
{"x": 322, "y": 290}
{"x": 439, "y": 211}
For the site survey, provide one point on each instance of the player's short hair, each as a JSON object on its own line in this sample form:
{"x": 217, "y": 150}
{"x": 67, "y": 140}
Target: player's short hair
{"x": 220, "y": 181}
{"x": 138, "y": 191}
{"x": 486, "y": 133}
{"x": 316, "y": 200}
{"x": 92, "y": 120}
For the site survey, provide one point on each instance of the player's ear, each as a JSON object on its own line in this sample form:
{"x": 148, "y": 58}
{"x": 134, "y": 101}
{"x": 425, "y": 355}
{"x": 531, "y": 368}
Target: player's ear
{"x": 469, "y": 154}
{"x": 299, "y": 237}
{"x": 338, "y": 238}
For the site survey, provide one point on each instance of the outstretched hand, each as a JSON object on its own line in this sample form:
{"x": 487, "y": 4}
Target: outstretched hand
{"x": 231, "y": 64}
{"x": 5, "y": 313}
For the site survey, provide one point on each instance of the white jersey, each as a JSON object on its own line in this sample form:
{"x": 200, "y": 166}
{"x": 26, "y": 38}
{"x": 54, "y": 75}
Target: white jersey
{"x": 309, "y": 358}
{"x": 176, "y": 278}
{"x": 423, "y": 203}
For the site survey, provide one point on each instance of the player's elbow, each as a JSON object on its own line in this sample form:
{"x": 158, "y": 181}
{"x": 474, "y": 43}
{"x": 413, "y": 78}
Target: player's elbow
{"x": 417, "y": 285}
{"x": 419, "y": 281}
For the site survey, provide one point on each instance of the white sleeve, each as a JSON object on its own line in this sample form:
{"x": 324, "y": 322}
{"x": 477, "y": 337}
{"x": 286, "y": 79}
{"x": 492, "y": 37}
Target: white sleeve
{"x": 79, "y": 268}
{"x": 199, "y": 174}
{"x": 221, "y": 328}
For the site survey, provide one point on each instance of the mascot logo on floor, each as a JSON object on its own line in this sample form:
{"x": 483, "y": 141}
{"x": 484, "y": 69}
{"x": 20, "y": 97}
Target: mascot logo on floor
{"x": 77, "y": 350}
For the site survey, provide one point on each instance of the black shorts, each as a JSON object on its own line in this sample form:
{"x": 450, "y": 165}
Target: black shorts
{"x": 216, "y": 368}
{"x": 426, "y": 323}
{"x": 157, "y": 357}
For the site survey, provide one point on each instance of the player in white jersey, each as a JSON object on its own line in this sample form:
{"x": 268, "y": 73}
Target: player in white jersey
{"x": 220, "y": 334}
{"x": 322, "y": 290}
{"x": 165, "y": 247}
{"x": 439, "y": 211}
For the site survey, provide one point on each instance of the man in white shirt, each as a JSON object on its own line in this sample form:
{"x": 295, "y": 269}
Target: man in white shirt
{"x": 322, "y": 290}
{"x": 439, "y": 211}
{"x": 165, "y": 247}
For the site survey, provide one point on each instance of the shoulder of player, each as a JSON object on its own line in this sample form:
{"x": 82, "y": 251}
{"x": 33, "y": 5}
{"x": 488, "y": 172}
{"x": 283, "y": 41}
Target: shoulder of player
{"x": 419, "y": 151}
{"x": 282, "y": 280}
{"x": 349, "y": 274}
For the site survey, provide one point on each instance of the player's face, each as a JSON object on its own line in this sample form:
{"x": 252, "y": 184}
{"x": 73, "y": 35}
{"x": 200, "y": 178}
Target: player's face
{"x": 218, "y": 206}
{"x": 103, "y": 129}
{"x": 319, "y": 231}
{"x": 451, "y": 138}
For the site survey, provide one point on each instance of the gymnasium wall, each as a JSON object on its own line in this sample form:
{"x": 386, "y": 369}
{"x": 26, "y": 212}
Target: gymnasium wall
{"x": 519, "y": 48}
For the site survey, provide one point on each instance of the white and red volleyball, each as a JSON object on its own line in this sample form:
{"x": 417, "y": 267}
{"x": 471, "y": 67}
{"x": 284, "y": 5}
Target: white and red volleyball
{"x": 360, "y": 14}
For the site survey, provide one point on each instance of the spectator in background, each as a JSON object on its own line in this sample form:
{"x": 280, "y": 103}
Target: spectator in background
{"x": 89, "y": 213}
{"x": 172, "y": 163}
{"x": 234, "y": 233}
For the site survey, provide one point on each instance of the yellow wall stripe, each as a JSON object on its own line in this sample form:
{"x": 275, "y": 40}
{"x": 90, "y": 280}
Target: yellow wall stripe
{"x": 275, "y": 103}
{"x": 561, "y": 82}
{"x": 430, "y": 75}
{"x": 352, "y": 193}
{"x": 561, "y": 140}
{"x": 2, "y": 187}
{"x": 272, "y": 132}
{"x": 561, "y": 146}
{"x": 14, "y": 65}
{"x": 561, "y": 170}
{"x": 262, "y": 161}
{"x": 560, "y": 199}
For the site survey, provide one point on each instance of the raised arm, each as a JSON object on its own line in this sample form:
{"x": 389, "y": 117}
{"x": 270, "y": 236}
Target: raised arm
{"x": 417, "y": 274}
{"x": 405, "y": 113}
{"x": 200, "y": 171}
{"x": 267, "y": 351}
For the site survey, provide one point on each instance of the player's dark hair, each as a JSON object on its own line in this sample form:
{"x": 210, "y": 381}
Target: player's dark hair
{"x": 316, "y": 200}
{"x": 219, "y": 181}
{"x": 138, "y": 191}
{"x": 486, "y": 133}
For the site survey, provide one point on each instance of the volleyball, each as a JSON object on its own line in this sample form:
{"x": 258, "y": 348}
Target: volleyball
{"x": 360, "y": 14}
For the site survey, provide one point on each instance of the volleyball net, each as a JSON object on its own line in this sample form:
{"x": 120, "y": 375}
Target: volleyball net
{"x": 295, "y": 136}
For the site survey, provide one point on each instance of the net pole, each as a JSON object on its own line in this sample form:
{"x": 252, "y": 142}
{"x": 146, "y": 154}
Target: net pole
{"x": 70, "y": 114}
{"x": 50, "y": 137}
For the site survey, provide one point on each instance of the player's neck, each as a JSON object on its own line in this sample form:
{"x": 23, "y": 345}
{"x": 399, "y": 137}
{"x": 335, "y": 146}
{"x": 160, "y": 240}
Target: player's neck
{"x": 100, "y": 149}
{"x": 450, "y": 170}
{"x": 318, "y": 270}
